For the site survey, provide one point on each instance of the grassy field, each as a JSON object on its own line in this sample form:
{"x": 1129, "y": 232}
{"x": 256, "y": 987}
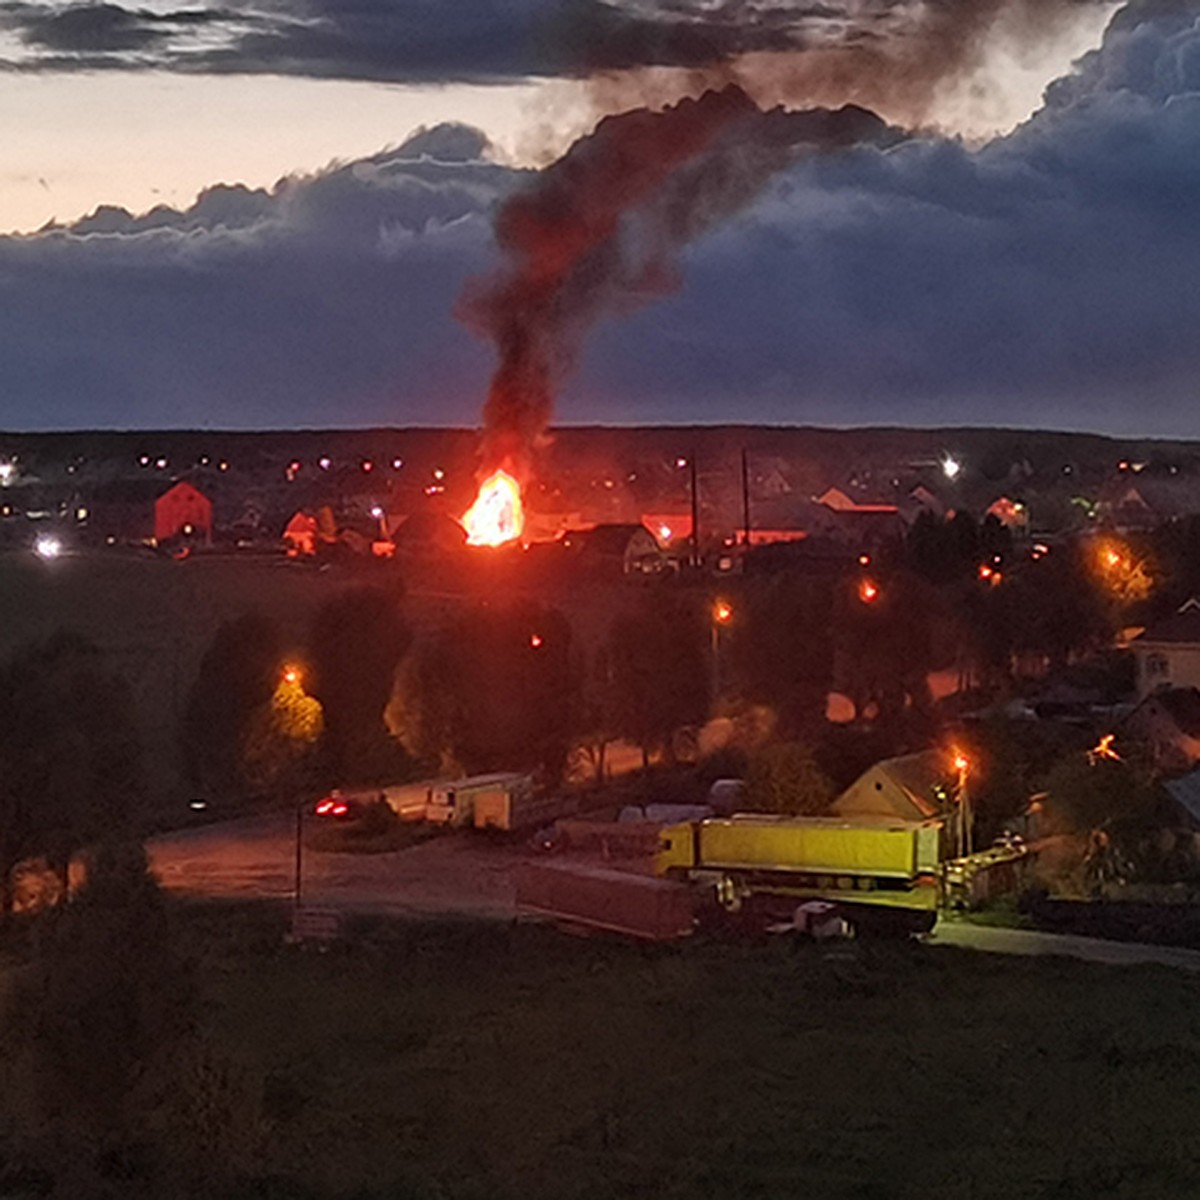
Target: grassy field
{"x": 467, "y": 1061}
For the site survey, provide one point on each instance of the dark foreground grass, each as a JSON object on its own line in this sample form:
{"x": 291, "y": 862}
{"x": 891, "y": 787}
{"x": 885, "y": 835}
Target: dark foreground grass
{"x": 449, "y": 1061}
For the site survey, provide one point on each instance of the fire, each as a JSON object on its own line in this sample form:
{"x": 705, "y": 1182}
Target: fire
{"x": 497, "y": 516}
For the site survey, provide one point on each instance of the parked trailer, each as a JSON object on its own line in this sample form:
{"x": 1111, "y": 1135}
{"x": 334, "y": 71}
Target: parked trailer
{"x": 877, "y": 867}
{"x": 641, "y": 906}
{"x": 510, "y": 810}
{"x": 453, "y": 802}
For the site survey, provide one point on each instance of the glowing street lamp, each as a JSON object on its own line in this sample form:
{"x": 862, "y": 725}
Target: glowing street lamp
{"x": 868, "y": 591}
{"x": 47, "y": 547}
{"x": 951, "y": 467}
{"x": 962, "y": 768}
{"x": 721, "y": 615}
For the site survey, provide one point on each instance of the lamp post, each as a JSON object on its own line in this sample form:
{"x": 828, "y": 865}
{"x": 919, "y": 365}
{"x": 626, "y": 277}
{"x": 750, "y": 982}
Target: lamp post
{"x": 962, "y": 764}
{"x": 722, "y": 614}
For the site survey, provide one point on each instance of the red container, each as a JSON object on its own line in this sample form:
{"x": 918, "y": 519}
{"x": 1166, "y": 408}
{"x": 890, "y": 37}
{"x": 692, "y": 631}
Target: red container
{"x": 599, "y": 897}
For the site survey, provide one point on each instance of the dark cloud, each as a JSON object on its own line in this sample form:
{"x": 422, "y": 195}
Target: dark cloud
{"x": 1046, "y": 279}
{"x": 91, "y": 30}
{"x": 493, "y": 40}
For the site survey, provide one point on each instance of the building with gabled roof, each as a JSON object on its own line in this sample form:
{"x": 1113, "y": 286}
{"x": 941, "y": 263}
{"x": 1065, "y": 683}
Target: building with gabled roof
{"x": 183, "y": 510}
{"x": 913, "y": 787}
{"x": 630, "y": 549}
{"x": 1167, "y": 722}
{"x": 1168, "y": 651}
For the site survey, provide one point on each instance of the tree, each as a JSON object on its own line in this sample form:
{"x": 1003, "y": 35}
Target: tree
{"x": 778, "y": 651}
{"x": 658, "y": 671}
{"x": 785, "y": 778}
{"x": 71, "y": 756}
{"x": 236, "y": 678}
{"x": 424, "y": 710}
{"x": 111, "y": 1085}
{"x": 499, "y": 689}
{"x": 886, "y": 646}
{"x": 356, "y": 642}
{"x": 279, "y": 753}
{"x": 1088, "y": 792}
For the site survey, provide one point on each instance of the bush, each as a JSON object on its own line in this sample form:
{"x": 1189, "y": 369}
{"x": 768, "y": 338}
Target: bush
{"x": 784, "y": 778}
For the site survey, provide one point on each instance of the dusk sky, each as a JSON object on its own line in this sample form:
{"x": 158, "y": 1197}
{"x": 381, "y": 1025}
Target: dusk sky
{"x": 219, "y": 218}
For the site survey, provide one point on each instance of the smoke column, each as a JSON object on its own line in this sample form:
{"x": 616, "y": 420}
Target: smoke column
{"x": 601, "y": 229}
{"x": 896, "y": 57}
{"x": 600, "y": 232}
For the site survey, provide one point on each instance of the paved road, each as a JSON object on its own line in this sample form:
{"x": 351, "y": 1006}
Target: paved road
{"x": 993, "y": 940}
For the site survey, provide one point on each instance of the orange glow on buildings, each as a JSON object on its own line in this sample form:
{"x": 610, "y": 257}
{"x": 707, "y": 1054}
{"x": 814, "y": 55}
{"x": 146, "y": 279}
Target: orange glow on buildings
{"x": 498, "y": 514}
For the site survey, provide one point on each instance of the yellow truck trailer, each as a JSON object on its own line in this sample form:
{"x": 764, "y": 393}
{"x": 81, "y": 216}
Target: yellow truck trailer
{"x": 874, "y": 865}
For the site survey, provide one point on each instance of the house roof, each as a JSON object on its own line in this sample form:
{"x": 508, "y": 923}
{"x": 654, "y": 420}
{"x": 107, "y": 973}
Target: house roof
{"x": 605, "y": 539}
{"x": 184, "y": 487}
{"x": 921, "y": 776}
{"x": 1180, "y": 627}
{"x": 430, "y": 529}
{"x": 837, "y": 500}
{"x": 922, "y": 779}
{"x": 1185, "y": 791}
{"x": 1182, "y": 705}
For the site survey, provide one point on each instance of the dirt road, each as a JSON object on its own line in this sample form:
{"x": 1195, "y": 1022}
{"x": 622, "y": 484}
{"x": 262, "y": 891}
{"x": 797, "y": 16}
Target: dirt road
{"x": 464, "y": 875}
{"x": 256, "y": 857}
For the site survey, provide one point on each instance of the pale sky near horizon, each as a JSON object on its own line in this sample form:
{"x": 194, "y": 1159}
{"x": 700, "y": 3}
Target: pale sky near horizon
{"x": 135, "y": 138}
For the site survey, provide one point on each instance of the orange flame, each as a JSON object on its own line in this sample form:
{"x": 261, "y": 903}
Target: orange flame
{"x": 1104, "y": 749}
{"x": 497, "y": 516}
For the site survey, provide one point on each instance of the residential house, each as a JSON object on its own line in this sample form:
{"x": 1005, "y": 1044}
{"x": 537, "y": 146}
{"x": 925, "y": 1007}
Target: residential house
{"x": 1168, "y": 723}
{"x": 627, "y": 549}
{"x": 183, "y": 511}
{"x": 1168, "y": 651}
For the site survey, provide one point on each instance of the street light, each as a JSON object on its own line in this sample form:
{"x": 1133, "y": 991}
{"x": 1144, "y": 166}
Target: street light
{"x": 720, "y": 616}
{"x": 47, "y": 546}
{"x": 962, "y": 767}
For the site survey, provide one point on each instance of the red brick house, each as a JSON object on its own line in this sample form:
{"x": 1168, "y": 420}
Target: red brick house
{"x": 183, "y": 511}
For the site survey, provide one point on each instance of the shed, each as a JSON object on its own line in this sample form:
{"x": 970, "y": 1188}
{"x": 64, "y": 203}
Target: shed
{"x": 914, "y": 787}
{"x": 183, "y": 511}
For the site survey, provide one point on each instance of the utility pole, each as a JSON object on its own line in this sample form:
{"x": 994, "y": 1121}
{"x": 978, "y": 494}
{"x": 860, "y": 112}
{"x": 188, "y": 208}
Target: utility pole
{"x": 745, "y": 498}
{"x": 692, "y": 480}
{"x": 299, "y": 857}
